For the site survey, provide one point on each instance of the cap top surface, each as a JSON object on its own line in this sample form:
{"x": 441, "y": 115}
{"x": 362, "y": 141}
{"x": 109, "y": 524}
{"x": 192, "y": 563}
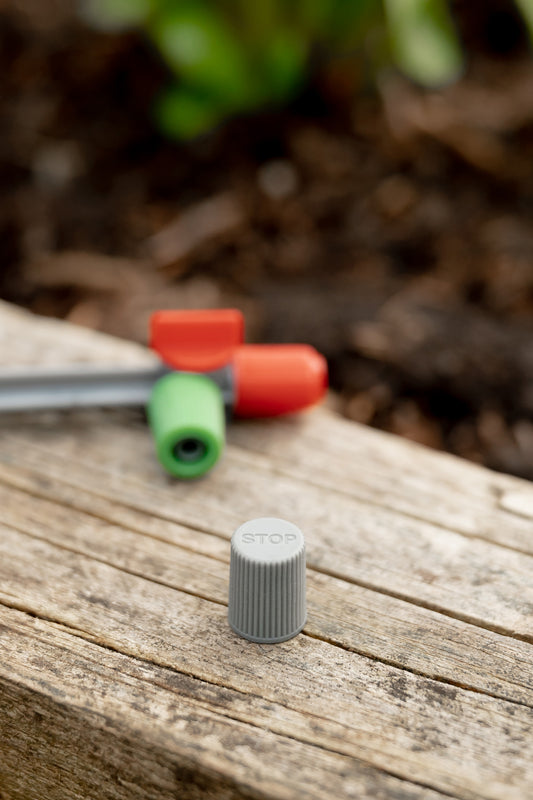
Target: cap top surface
{"x": 268, "y": 540}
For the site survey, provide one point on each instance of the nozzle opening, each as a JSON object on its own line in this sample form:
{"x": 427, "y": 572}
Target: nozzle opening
{"x": 189, "y": 450}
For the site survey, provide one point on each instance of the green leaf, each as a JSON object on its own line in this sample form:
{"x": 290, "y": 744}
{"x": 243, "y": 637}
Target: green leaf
{"x": 423, "y": 40}
{"x": 526, "y": 9}
{"x": 283, "y": 65}
{"x": 183, "y": 114}
{"x": 349, "y": 21}
{"x": 203, "y": 51}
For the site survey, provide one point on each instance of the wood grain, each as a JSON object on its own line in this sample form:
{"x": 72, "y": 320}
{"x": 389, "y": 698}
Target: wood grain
{"x": 353, "y": 617}
{"x": 468, "y": 578}
{"x": 119, "y": 676}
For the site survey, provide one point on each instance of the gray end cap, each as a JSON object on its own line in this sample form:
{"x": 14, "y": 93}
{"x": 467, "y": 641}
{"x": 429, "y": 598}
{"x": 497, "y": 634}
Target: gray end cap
{"x": 267, "y": 580}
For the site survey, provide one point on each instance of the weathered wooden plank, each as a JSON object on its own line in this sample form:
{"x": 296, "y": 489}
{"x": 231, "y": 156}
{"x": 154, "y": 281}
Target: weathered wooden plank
{"x": 468, "y": 578}
{"x": 411, "y": 726}
{"x": 26, "y": 339}
{"x": 68, "y": 731}
{"x": 354, "y": 617}
{"x": 375, "y": 467}
{"x": 420, "y": 569}
{"x": 393, "y": 473}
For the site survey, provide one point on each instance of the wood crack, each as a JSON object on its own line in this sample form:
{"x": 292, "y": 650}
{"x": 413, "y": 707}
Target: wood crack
{"x": 468, "y": 620}
{"x": 397, "y": 665}
{"x": 121, "y": 568}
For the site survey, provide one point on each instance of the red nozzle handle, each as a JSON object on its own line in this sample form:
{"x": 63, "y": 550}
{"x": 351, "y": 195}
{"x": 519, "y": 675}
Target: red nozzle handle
{"x": 196, "y": 341}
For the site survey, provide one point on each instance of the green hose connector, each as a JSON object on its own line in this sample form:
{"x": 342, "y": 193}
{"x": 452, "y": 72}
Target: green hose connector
{"x": 186, "y": 415}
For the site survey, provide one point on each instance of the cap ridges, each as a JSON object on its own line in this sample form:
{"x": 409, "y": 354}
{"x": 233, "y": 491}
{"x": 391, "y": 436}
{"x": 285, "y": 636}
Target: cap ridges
{"x": 267, "y": 580}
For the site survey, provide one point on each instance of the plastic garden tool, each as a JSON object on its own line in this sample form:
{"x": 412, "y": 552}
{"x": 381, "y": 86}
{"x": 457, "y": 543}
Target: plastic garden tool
{"x": 206, "y": 374}
{"x": 216, "y": 370}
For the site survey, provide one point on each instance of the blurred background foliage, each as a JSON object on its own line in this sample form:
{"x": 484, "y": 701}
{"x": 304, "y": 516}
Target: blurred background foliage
{"x": 234, "y": 56}
{"x": 357, "y": 175}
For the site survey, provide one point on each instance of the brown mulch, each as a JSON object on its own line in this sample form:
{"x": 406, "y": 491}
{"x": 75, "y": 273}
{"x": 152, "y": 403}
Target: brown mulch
{"x": 393, "y": 231}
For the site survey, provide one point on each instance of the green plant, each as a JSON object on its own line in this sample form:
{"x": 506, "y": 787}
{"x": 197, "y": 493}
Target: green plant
{"x": 231, "y": 56}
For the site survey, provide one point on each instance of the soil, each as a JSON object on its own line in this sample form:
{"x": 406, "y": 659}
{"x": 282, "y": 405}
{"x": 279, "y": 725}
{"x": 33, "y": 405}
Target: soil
{"x": 388, "y": 226}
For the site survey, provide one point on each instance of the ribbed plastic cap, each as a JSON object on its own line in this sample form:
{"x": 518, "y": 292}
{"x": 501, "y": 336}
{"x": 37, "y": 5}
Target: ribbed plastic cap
{"x": 267, "y": 580}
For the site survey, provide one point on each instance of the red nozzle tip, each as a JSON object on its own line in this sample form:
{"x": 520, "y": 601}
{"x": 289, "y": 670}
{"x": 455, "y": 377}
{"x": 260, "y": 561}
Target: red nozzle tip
{"x": 277, "y": 379}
